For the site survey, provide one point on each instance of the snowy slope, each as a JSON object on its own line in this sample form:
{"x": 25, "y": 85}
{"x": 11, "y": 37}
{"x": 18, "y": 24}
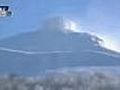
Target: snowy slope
{"x": 51, "y": 48}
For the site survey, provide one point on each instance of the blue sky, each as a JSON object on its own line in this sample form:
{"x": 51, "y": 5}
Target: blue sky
{"x": 97, "y": 16}
{"x": 28, "y": 15}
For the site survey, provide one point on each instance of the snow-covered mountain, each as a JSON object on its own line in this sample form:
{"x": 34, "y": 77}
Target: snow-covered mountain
{"x": 53, "y": 47}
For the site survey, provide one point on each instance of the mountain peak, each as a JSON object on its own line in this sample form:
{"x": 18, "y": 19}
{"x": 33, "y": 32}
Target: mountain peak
{"x": 56, "y": 34}
{"x": 50, "y": 48}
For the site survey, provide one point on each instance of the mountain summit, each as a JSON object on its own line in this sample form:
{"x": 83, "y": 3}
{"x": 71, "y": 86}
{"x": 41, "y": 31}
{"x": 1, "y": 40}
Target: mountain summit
{"x": 52, "y": 48}
{"x": 53, "y": 36}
